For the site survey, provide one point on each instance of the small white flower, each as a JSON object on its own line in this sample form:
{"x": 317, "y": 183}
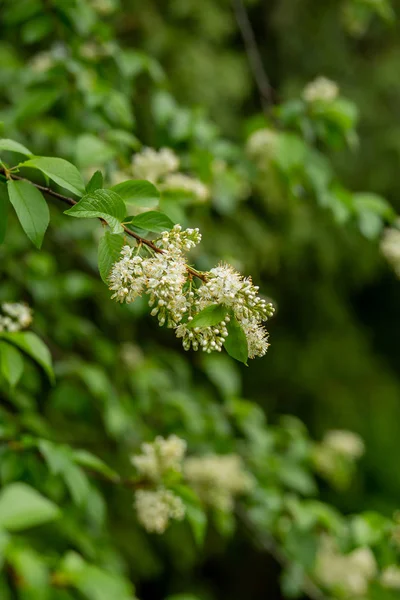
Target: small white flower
{"x": 217, "y": 479}
{"x": 344, "y": 442}
{"x": 160, "y": 456}
{"x": 16, "y": 316}
{"x": 126, "y": 279}
{"x": 155, "y": 509}
{"x": 181, "y": 182}
{"x": 321, "y": 89}
{"x": 151, "y": 164}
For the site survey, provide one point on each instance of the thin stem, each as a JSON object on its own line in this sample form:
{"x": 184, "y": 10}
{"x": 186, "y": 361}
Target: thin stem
{"x": 72, "y": 202}
{"x": 253, "y": 55}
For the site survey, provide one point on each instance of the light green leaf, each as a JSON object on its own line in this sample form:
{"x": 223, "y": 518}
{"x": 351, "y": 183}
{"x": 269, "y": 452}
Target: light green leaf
{"x": 21, "y": 507}
{"x": 95, "y": 183}
{"x": 60, "y": 171}
{"x": 31, "y": 344}
{"x": 12, "y": 146}
{"x": 94, "y": 463}
{"x": 236, "y": 342}
{"x": 110, "y": 247}
{"x": 103, "y": 204}
{"x": 208, "y": 317}
{"x": 153, "y": 220}
{"x": 138, "y": 192}
{"x": 12, "y": 364}
{"x": 3, "y": 211}
{"x": 31, "y": 208}
{"x": 91, "y": 150}
{"x": 36, "y": 101}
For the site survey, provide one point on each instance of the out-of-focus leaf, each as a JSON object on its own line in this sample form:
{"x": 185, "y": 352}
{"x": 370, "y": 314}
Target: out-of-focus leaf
{"x": 21, "y": 507}
{"x": 32, "y": 345}
{"x": 11, "y": 363}
{"x": 138, "y": 193}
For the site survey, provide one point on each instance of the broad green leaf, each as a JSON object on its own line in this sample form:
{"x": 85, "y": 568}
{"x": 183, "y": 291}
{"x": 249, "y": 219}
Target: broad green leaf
{"x": 93, "y": 582}
{"x": 153, "y": 221}
{"x": 110, "y": 246}
{"x": 3, "y": 211}
{"x": 94, "y": 463}
{"x": 11, "y": 363}
{"x": 91, "y": 150}
{"x": 60, "y": 171}
{"x": 12, "y": 146}
{"x": 236, "y": 342}
{"x": 103, "y": 204}
{"x": 31, "y": 208}
{"x": 95, "y": 183}
{"x": 138, "y": 192}
{"x": 210, "y": 316}
{"x": 31, "y": 344}
{"x": 21, "y": 507}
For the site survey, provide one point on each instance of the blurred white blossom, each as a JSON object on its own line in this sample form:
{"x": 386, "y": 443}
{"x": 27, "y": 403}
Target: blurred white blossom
{"x": 155, "y": 509}
{"x": 344, "y": 442}
{"x": 390, "y": 577}
{"x": 217, "y": 479}
{"x": 160, "y": 457}
{"x": 321, "y": 89}
{"x": 16, "y": 316}
{"x": 346, "y": 574}
{"x": 263, "y": 143}
{"x": 151, "y": 164}
{"x": 185, "y": 183}
{"x": 390, "y": 248}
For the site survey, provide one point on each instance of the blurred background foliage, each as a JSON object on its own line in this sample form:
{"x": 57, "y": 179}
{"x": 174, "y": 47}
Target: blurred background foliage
{"x": 302, "y": 211}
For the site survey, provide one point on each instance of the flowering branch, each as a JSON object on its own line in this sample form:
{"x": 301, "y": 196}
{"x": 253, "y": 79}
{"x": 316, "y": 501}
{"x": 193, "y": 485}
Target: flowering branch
{"x": 71, "y": 202}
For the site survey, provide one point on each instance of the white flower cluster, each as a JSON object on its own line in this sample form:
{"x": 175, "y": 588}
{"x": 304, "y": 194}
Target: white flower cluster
{"x": 390, "y": 248}
{"x": 390, "y": 577}
{"x": 346, "y": 443}
{"x": 348, "y": 575}
{"x": 263, "y": 143}
{"x": 160, "y": 167}
{"x": 160, "y": 456}
{"x": 154, "y": 509}
{"x": 181, "y": 182}
{"x": 175, "y": 301}
{"x": 16, "y": 316}
{"x": 321, "y": 89}
{"x": 217, "y": 479}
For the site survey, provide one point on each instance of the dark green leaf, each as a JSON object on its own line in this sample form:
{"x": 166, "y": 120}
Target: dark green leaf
{"x": 31, "y": 208}
{"x": 94, "y": 463}
{"x": 95, "y": 183}
{"x": 110, "y": 247}
{"x": 3, "y": 211}
{"x": 59, "y": 170}
{"x": 153, "y": 221}
{"x": 12, "y": 146}
{"x": 103, "y": 204}
{"x": 31, "y": 344}
{"x": 210, "y": 316}
{"x": 138, "y": 192}
{"x": 236, "y": 342}
{"x": 21, "y": 507}
{"x": 12, "y": 364}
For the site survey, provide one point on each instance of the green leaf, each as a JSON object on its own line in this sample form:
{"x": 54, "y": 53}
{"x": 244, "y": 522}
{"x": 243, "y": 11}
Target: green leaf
{"x": 95, "y": 183}
{"x": 138, "y": 192}
{"x": 208, "y": 317}
{"x": 103, "y": 204}
{"x": 32, "y": 345}
{"x": 12, "y": 146}
{"x": 91, "y": 150}
{"x": 21, "y": 507}
{"x": 12, "y": 364}
{"x": 3, "y": 211}
{"x": 110, "y": 246}
{"x": 36, "y": 101}
{"x": 195, "y": 513}
{"x": 31, "y": 208}
{"x": 94, "y": 463}
{"x": 236, "y": 342}
{"x": 154, "y": 221}
{"x": 60, "y": 171}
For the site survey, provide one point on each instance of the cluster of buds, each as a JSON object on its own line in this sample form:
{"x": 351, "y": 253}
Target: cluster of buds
{"x": 321, "y": 89}
{"x": 176, "y": 301}
{"x": 16, "y": 316}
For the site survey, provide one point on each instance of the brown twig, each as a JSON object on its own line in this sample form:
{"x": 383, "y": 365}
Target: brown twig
{"x": 253, "y": 56}
{"x": 72, "y": 202}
